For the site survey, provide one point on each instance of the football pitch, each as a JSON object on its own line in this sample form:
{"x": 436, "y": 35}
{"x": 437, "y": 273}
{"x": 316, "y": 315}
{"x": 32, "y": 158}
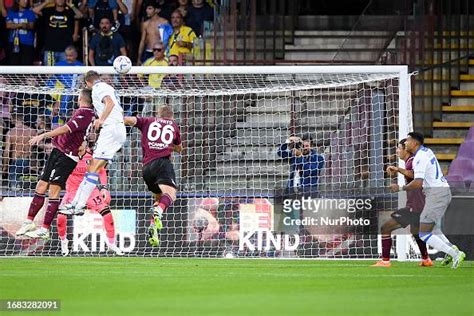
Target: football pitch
{"x": 159, "y": 286}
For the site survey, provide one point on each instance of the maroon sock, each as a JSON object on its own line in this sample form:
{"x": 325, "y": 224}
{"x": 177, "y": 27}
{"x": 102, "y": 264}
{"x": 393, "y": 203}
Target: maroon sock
{"x": 165, "y": 201}
{"x": 422, "y": 246}
{"x": 36, "y": 205}
{"x": 53, "y": 206}
{"x": 386, "y": 246}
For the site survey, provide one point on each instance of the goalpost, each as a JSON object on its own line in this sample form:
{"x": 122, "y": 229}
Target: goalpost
{"x": 231, "y": 178}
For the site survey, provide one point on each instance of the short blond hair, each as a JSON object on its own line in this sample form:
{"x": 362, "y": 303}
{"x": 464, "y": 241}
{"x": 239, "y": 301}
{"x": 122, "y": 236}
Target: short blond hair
{"x": 165, "y": 111}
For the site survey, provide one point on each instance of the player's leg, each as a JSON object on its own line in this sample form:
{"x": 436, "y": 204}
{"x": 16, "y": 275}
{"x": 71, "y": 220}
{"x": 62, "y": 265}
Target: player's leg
{"x": 88, "y": 184}
{"x": 447, "y": 258}
{"x": 61, "y": 222}
{"x": 160, "y": 179}
{"x": 164, "y": 199}
{"x": 157, "y": 197}
{"x": 99, "y": 202}
{"x": 434, "y": 240}
{"x": 436, "y": 203}
{"x": 109, "y": 227}
{"x": 62, "y": 168}
{"x": 51, "y": 210}
{"x": 162, "y": 202}
{"x": 386, "y": 230}
{"x": 110, "y": 141}
{"x": 425, "y": 258}
{"x": 35, "y": 206}
{"x": 37, "y": 203}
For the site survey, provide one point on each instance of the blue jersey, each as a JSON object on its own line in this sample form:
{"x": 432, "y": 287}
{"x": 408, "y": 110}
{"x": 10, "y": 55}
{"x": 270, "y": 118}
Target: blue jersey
{"x": 26, "y": 16}
{"x": 308, "y": 167}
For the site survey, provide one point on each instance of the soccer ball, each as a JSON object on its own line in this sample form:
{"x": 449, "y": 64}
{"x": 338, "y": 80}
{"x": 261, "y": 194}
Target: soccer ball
{"x": 122, "y": 64}
{"x": 200, "y": 224}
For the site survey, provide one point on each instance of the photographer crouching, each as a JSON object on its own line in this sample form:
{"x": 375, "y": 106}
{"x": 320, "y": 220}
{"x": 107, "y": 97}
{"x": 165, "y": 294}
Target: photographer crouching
{"x": 305, "y": 164}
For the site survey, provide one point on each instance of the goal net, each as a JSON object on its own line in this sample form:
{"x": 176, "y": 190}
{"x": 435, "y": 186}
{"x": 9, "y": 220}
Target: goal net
{"x": 246, "y": 189}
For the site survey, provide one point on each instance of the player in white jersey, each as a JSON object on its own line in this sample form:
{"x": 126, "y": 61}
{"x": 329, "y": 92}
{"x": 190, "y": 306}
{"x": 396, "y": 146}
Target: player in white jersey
{"x": 428, "y": 175}
{"x": 111, "y": 138}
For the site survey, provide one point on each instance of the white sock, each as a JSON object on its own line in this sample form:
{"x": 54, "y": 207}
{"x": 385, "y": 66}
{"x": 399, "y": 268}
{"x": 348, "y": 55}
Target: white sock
{"x": 157, "y": 211}
{"x": 439, "y": 244}
{"x": 444, "y": 238}
{"x": 85, "y": 190}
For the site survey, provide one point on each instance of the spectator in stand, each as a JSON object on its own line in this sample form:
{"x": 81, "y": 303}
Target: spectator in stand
{"x": 104, "y": 7}
{"x": 30, "y": 105}
{"x": 172, "y": 80}
{"x": 183, "y": 6}
{"x": 6, "y": 5}
{"x": 154, "y": 30}
{"x": 55, "y": 116}
{"x": 71, "y": 60}
{"x": 106, "y": 45}
{"x": 181, "y": 41}
{"x": 173, "y": 60}
{"x": 129, "y": 30}
{"x": 61, "y": 28}
{"x": 3, "y": 33}
{"x": 65, "y": 81}
{"x": 155, "y": 80}
{"x": 4, "y": 110}
{"x": 167, "y": 7}
{"x": 21, "y": 22}
{"x": 199, "y": 12}
{"x": 18, "y": 150}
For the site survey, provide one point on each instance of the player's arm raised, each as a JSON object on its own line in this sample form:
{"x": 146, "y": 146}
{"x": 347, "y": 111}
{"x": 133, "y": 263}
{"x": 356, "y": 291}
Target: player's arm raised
{"x": 109, "y": 105}
{"x": 130, "y": 120}
{"x": 55, "y": 132}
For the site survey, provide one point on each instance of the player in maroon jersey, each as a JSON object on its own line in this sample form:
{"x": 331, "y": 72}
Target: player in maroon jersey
{"x": 67, "y": 140}
{"x": 160, "y": 137}
{"x": 409, "y": 215}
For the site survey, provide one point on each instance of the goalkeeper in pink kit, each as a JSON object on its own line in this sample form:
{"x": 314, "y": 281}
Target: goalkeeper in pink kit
{"x": 99, "y": 202}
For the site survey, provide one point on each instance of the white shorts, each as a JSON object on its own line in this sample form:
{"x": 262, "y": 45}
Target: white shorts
{"x": 111, "y": 139}
{"x": 436, "y": 203}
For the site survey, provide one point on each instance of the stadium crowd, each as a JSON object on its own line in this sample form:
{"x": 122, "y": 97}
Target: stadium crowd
{"x": 38, "y": 33}
{"x": 150, "y": 32}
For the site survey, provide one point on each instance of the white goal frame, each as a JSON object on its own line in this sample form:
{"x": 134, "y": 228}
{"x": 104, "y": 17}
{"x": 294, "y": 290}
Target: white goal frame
{"x": 405, "y": 104}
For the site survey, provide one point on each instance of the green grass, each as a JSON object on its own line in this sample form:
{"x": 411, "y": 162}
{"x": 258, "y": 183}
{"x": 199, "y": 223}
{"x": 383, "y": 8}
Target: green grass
{"x": 135, "y": 286}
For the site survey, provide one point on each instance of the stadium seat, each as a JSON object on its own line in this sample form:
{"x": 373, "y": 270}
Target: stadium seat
{"x": 470, "y": 134}
{"x": 457, "y": 184}
{"x": 461, "y": 166}
{"x": 467, "y": 150}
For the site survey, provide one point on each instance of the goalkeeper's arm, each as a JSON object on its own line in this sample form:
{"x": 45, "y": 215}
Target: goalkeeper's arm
{"x": 56, "y": 132}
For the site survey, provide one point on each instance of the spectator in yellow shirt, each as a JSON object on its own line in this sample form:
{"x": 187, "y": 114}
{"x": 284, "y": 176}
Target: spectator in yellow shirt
{"x": 181, "y": 41}
{"x": 158, "y": 59}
